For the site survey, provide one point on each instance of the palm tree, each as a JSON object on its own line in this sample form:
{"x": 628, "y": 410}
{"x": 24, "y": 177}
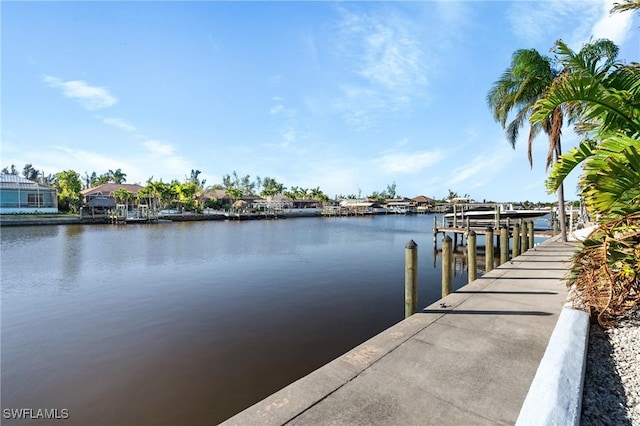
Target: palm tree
{"x": 117, "y": 176}
{"x": 524, "y": 82}
{"x": 605, "y": 95}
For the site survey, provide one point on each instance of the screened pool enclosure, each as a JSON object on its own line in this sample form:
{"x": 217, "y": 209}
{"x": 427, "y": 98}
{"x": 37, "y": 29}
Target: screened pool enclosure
{"x": 19, "y": 195}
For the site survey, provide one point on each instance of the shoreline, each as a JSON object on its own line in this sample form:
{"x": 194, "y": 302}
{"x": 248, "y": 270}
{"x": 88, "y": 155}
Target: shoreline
{"x": 217, "y": 215}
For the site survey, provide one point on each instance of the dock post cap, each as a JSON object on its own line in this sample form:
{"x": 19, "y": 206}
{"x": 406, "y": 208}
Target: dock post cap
{"x": 472, "y": 232}
{"x": 411, "y": 244}
{"x": 447, "y": 238}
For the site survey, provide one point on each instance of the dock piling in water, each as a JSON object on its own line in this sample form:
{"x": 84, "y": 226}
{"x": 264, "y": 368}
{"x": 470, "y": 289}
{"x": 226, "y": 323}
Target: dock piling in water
{"x": 410, "y": 278}
{"x": 504, "y": 244}
{"x": 488, "y": 252}
{"x": 515, "y": 249}
{"x": 531, "y": 236}
{"x": 523, "y": 236}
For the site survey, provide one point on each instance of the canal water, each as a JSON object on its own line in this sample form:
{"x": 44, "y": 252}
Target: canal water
{"x": 189, "y": 323}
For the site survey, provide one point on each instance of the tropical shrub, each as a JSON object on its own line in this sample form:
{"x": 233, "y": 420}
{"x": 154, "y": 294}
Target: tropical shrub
{"x": 604, "y": 98}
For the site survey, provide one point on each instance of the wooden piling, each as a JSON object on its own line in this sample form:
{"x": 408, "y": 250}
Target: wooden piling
{"x": 447, "y": 258}
{"x": 523, "y": 237}
{"x": 471, "y": 256}
{"x": 410, "y": 278}
{"x": 455, "y": 216}
{"x": 504, "y": 244}
{"x": 532, "y": 241}
{"x": 435, "y": 233}
{"x": 515, "y": 249}
{"x": 488, "y": 252}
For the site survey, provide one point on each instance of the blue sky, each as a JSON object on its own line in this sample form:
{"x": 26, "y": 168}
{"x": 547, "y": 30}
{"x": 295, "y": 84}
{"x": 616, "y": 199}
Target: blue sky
{"x": 348, "y": 96}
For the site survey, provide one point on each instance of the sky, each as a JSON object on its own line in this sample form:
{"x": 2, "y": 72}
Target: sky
{"x": 348, "y": 96}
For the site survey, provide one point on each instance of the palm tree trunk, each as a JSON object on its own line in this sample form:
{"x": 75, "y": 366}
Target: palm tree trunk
{"x": 561, "y": 212}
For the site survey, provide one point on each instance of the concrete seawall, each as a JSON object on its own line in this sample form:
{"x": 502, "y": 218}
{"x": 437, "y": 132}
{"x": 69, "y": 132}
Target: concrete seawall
{"x": 469, "y": 358}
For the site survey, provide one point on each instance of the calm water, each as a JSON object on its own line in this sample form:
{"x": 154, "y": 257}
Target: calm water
{"x": 189, "y": 323}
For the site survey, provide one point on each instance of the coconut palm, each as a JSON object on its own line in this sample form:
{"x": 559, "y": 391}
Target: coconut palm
{"x": 117, "y": 176}
{"x": 524, "y": 82}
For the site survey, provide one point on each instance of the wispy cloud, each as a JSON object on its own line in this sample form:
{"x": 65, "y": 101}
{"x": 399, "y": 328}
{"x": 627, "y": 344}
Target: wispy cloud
{"x": 91, "y": 97}
{"x": 277, "y": 108}
{"x": 616, "y": 27}
{"x": 408, "y": 162}
{"x": 164, "y": 158}
{"x": 578, "y": 22}
{"x": 385, "y": 62}
{"x": 117, "y": 122}
{"x": 159, "y": 149}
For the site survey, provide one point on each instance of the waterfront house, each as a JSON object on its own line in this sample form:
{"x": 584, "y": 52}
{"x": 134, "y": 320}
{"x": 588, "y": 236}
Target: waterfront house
{"x": 423, "y": 204}
{"x": 101, "y": 196}
{"x": 19, "y": 195}
{"x": 400, "y": 206}
{"x": 224, "y": 199}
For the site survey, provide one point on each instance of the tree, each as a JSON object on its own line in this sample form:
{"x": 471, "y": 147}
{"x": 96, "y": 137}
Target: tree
{"x": 391, "y": 190}
{"x": 102, "y": 179}
{"x": 234, "y": 192}
{"x": 69, "y": 185}
{"x": 31, "y": 173}
{"x": 10, "y": 171}
{"x": 117, "y": 176}
{"x": 524, "y": 82}
{"x": 605, "y": 96}
{"x": 271, "y": 187}
{"x": 122, "y": 195}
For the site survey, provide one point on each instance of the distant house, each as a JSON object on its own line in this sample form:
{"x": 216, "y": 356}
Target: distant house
{"x": 20, "y": 195}
{"x": 101, "y": 196}
{"x": 218, "y": 195}
{"x": 223, "y": 198}
{"x": 400, "y": 205}
{"x": 423, "y": 204}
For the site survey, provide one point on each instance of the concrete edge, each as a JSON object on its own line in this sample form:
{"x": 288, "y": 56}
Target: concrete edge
{"x": 555, "y": 395}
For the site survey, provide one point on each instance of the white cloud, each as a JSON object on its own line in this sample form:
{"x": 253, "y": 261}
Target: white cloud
{"x": 575, "y": 22}
{"x": 615, "y": 27}
{"x": 276, "y": 109}
{"x": 385, "y": 64}
{"x": 408, "y": 162}
{"x": 159, "y": 149}
{"x": 117, "y": 122}
{"x": 92, "y": 98}
{"x": 164, "y": 159}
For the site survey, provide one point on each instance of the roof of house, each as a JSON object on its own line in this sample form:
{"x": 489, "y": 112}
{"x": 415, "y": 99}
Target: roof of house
{"x": 102, "y": 203}
{"x": 108, "y": 188}
{"x": 9, "y": 181}
{"x": 423, "y": 199}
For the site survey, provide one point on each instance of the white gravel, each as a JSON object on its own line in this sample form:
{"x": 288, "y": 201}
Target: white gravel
{"x": 611, "y": 393}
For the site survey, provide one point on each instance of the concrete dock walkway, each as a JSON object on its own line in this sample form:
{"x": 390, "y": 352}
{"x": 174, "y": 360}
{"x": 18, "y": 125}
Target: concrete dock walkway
{"x": 467, "y": 359}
